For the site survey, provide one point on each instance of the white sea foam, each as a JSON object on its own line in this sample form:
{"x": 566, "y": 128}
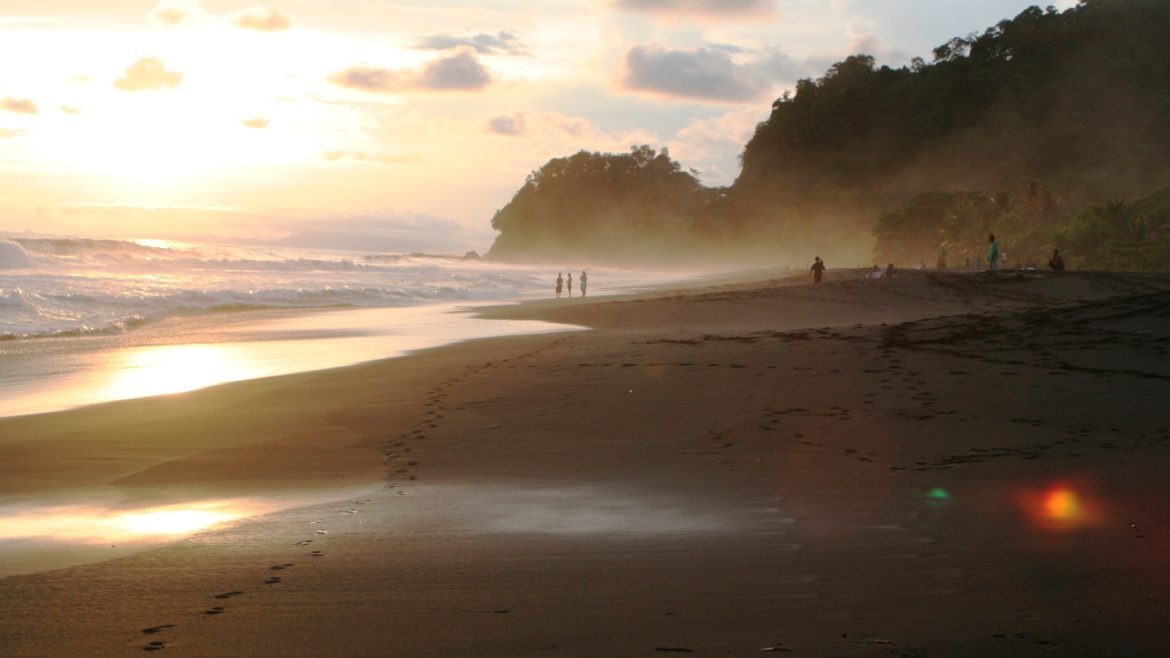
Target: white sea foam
{"x": 79, "y": 287}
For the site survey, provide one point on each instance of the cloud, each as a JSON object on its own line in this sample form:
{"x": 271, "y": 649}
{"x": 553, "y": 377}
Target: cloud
{"x": 257, "y": 122}
{"x": 175, "y": 12}
{"x": 19, "y": 105}
{"x": 703, "y": 73}
{"x": 484, "y": 44}
{"x": 505, "y": 125}
{"x": 459, "y": 71}
{"x": 713, "y": 8}
{"x": 554, "y": 134}
{"x": 868, "y": 44}
{"x": 262, "y": 19}
{"x": 148, "y": 74}
{"x": 368, "y": 78}
{"x": 713, "y": 144}
{"x": 711, "y": 137}
{"x": 378, "y": 158}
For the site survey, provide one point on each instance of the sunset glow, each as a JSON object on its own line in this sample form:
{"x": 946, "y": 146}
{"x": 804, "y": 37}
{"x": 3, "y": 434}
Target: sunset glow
{"x": 186, "y": 118}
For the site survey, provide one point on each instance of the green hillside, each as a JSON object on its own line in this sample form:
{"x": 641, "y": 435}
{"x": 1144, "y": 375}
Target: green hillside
{"x": 1041, "y": 117}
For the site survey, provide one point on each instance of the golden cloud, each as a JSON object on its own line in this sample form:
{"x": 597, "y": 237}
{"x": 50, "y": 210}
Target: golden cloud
{"x": 148, "y": 74}
{"x": 19, "y": 105}
{"x": 262, "y": 19}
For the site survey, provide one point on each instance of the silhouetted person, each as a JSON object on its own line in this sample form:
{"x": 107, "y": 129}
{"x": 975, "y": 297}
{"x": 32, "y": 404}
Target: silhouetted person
{"x": 1056, "y": 262}
{"x": 560, "y": 284}
{"x": 817, "y": 270}
{"x": 992, "y": 253}
{"x": 890, "y": 270}
{"x": 942, "y": 259}
{"x": 570, "y": 284}
{"x": 584, "y": 282}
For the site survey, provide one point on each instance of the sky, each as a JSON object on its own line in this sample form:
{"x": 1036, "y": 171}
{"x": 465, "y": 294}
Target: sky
{"x": 393, "y": 125}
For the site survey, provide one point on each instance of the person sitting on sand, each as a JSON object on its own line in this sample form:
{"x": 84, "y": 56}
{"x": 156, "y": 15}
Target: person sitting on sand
{"x": 584, "y": 282}
{"x": 875, "y": 273}
{"x": 560, "y": 284}
{"x": 992, "y": 253}
{"x": 1056, "y": 262}
{"x": 817, "y": 270}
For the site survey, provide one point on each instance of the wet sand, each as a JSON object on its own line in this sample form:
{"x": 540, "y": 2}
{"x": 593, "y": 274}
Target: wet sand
{"x": 934, "y": 465}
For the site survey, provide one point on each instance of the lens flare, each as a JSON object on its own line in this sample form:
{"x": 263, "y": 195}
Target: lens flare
{"x": 1060, "y": 507}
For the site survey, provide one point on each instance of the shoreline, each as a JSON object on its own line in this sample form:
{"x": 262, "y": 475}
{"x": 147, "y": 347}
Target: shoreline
{"x": 178, "y": 356}
{"x": 825, "y": 468}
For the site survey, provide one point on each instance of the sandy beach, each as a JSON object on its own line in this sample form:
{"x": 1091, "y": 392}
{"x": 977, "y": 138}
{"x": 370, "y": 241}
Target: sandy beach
{"x": 939, "y": 464}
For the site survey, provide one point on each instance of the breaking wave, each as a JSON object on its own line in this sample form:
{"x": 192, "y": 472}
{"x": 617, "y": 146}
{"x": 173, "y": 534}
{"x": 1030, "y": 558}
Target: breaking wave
{"x": 77, "y": 287}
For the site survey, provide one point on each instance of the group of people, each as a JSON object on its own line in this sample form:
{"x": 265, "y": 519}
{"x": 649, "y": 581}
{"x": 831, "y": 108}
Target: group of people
{"x": 1056, "y": 263}
{"x": 583, "y": 282}
{"x": 817, "y": 271}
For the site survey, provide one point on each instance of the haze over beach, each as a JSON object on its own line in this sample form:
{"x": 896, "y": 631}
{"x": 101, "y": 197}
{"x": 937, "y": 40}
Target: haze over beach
{"x": 485, "y": 328}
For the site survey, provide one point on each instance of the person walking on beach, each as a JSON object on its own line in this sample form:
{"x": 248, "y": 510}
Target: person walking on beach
{"x": 1056, "y": 262}
{"x": 584, "y": 282}
{"x": 560, "y": 284}
{"x": 993, "y": 253}
{"x": 817, "y": 270}
{"x": 570, "y": 285}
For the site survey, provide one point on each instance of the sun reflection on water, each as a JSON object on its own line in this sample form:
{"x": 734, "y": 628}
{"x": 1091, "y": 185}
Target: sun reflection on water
{"x": 176, "y": 369}
{"x": 99, "y": 524}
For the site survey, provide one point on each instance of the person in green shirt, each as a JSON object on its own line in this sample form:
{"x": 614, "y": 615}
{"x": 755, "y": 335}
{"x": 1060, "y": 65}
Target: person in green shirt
{"x": 993, "y": 254}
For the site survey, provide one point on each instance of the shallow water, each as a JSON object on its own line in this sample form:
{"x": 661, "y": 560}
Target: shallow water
{"x": 178, "y": 355}
{"x": 84, "y": 527}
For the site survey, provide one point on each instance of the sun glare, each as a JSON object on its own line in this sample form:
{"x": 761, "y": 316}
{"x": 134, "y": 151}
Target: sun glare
{"x": 101, "y": 524}
{"x": 173, "y": 521}
{"x": 175, "y": 369}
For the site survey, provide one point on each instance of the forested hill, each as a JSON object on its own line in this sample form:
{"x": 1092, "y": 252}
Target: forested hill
{"x": 1073, "y": 105}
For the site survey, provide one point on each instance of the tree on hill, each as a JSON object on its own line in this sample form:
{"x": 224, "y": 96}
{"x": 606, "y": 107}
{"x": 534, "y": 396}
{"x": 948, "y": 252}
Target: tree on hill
{"x": 1077, "y": 99}
{"x": 601, "y": 207}
{"x": 1065, "y": 108}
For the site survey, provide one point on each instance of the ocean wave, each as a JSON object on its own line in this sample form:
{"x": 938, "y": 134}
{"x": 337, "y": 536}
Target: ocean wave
{"x": 12, "y": 255}
{"x": 78, "y": 314}
{"x": 85, "y": 245}
{"x": 64, "y": 287}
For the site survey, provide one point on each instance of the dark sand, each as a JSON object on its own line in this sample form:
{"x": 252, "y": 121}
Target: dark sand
{"x": 934, "y": 465}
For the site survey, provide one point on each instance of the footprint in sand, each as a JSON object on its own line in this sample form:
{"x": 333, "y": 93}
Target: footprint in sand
{"x": 318, "y": 553}
{"x": 281, "y": 567}
{"x": 217, "y": 610}
{"x": 157, "y": 645}
{"x": 227, "y": 595}
{"x": 273, "y": 580}
{"x": 156, "y": 629}
{"x": 304, "y": 543}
